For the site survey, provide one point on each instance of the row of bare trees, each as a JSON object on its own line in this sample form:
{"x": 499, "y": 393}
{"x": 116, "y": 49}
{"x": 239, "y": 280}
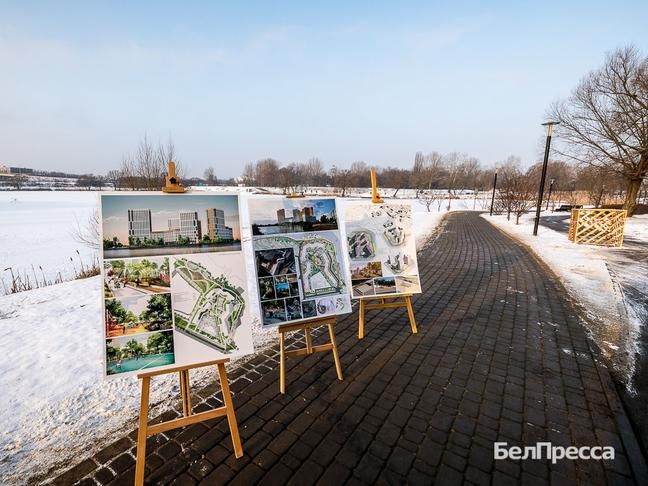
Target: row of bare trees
{"x": 146, "y": 168}
{"x": 604, "y": 123}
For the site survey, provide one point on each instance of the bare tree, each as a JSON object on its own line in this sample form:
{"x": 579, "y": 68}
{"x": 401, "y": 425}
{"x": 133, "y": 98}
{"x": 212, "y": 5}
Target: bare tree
{"x": 128, "y": 173}
{"x": 430, "y": 174}
{"x": 314, "y": 173}
{"x": 113, "y": 177}
{"x": 605, "y": 120}
{"x": 360, "y": 174}
{"x": 291, "y": 177}
{"x": 249, "y": 174}
{"x": 148, "y": 167}
{"x": 210, "y": 177}
{"x": 341, "y": 179}
{"x": 395, "y": 178}
{"x": 18, "y": 181}
{"x": 87, "y": 233}
{"x": 428, "y": 198}
{"x": 267, "y": 172}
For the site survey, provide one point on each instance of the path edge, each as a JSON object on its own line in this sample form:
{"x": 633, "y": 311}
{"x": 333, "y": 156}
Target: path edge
{"x": 635, "y": 455}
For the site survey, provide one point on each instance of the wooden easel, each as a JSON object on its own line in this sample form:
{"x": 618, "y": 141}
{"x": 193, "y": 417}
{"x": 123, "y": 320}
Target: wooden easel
{"x": 306, "y": 326}
{"x": 386, "y": 302}
{"x": 172, "y": 182}
{"x": 188, "y": 418}
{"x": 172, "y": 185}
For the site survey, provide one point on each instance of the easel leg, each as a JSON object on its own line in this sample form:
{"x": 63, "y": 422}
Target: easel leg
{"x": 142, "y": 432}
{"x": 187, "y": 392}
{"x": 182, "y": 393}
{"x": 336, "y": 358}
{"x": 410, "y": 312}
{"x": 282, "y": 363}
{"x": 309, "y": 343}
{"x": 231, "y": 416}
{"x": 361, "y": 320}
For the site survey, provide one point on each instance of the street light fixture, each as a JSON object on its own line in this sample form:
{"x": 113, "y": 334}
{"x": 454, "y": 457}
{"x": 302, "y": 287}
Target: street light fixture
{"x": 549, "y": 126}
{"x": 493, "y": 198}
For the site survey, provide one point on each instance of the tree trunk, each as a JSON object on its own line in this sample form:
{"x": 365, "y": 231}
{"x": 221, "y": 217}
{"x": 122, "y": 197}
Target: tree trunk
{"x": 632, "y": 191}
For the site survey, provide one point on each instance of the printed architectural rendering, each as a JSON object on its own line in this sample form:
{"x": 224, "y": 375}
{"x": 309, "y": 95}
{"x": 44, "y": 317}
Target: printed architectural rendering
{"x": 361, "y": 245}
{"x": 137, "y": 226}
{"x": 398, "y": 262}
{"x": 216, "y": 313}
{"x": 381, "y": 246}
{"x": 297, "y": 259}
{"x": 292, "y": 216}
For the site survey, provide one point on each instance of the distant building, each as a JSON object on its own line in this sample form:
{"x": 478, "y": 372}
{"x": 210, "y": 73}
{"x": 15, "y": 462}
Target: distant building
{"x": 21, "y": 170}
{"x": 139, "y": 223}
{"x": 281, "y": 216}
{"x": 4, "y": 170}
{"x": 216, "y": 225}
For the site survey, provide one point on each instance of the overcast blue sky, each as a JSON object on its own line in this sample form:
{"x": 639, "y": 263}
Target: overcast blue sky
{"x": 82, "y": 82}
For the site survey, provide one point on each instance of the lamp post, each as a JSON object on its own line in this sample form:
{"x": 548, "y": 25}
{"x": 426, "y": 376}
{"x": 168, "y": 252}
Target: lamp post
{"x": 493, "y": 197}
{"x": 549, "y": 126}
{"x": 551, "y": 183}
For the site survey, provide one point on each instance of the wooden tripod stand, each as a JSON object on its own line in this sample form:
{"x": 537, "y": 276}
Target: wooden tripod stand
{"x": 188, "y": 418}
{"x": 388, "y": 302}
{"x": 306, "y": 326}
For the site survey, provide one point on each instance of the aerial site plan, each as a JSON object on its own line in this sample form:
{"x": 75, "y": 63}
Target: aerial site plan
{"x": 216, "y": 312}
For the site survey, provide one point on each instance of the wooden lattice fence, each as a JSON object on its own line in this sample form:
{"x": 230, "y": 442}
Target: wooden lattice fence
{"x": 603, "y": 227}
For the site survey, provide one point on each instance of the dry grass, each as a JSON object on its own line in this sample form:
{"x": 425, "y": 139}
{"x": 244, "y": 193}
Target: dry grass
{"x": 16, "y": 281}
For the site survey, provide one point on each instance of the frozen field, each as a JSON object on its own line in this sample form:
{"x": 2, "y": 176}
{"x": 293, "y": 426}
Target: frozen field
{"x": 60, "y": 407}
{"x": 37, "y": 230}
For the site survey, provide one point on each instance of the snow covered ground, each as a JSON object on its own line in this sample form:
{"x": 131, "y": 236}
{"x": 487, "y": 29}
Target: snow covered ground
{"x": 59, "y": 408}
{"x": 37, "y": 230}
{"x": 588, "y": 273}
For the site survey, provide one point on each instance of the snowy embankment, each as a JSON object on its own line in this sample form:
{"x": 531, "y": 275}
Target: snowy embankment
{"x": 58, "y": 408}
{"x": 585, "y": 272}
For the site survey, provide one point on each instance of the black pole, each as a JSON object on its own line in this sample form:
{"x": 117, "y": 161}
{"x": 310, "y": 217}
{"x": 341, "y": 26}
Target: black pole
{"x": 551, "y": 183}
{"x": 542, "y": 184}
{"x": 493, "y": 198}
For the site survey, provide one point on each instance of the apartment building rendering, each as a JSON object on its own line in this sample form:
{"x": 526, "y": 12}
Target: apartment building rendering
{"x": 187, "y": 225}
{"x": 216, "y": 228}
{"x": 304, "y": 215}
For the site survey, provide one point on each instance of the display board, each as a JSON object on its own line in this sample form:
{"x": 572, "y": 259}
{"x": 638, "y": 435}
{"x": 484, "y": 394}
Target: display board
{"x": 299, "y": 264}
{"x": 381, "y": 248}
{"x": 174, "y": 280}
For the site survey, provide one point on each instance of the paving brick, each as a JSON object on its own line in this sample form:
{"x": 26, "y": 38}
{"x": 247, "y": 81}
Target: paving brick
{"x": 415, "y": 409}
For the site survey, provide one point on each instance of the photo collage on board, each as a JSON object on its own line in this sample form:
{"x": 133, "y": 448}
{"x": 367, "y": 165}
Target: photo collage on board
{"x": 174, "y": 287}
{"x": 381, "y": 247}
{"x": 298, "y": 259}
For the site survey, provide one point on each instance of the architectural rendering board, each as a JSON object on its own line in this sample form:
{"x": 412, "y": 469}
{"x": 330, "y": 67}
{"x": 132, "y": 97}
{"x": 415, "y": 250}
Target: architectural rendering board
{"x": 298, "y": 259}
{"x": 381, "y": 248}
{"x": 174, "y": 281}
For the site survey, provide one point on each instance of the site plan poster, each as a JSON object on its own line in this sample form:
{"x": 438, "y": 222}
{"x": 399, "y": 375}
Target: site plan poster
{"x": 299, "y": 264}
{"x": 174, "y": 280}
{"x": 381, "y": 247}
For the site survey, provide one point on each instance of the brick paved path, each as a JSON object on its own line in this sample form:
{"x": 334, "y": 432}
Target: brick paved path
{"x": 500, "y": 356}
